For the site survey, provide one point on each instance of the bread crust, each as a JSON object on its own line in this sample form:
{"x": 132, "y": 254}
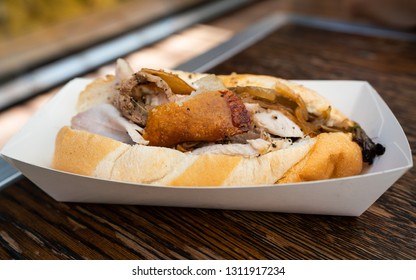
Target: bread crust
{"x": 80, "y": 152}
{"x": 334, "y": 155}
{"x": 91, "y": 154}
{"x": 330, "y": 155}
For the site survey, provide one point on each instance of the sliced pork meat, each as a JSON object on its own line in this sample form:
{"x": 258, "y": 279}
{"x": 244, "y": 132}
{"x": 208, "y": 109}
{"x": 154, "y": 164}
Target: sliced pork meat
{"x": 242, "y": 138}
{"x": 260, "y": 145}
{"x": 253, "y": 147}
{"x": 106, "y": 120}
{"x": 140, "y": 93}
{"x": 245, "y": 150}
{"x": 273, "y": 121}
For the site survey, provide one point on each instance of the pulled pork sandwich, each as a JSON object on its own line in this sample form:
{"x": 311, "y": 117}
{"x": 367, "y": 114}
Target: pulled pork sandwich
{"x": 175, "y": 128}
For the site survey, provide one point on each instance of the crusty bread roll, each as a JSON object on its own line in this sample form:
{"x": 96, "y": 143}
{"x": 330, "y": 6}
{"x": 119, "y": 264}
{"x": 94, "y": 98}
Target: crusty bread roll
{"x": 334, "y": 155}
{"x": 328, "y": 155}
{"x": 90, "y": 154}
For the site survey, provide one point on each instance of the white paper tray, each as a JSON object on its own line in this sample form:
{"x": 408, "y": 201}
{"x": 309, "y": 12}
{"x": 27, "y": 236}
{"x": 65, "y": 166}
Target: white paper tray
{"x": 31, "y": 150}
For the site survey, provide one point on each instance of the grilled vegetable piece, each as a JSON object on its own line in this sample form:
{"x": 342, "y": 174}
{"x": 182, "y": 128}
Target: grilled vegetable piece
{"x": 177, "y": 85}
{"x": 285, "y": 100}
{"x": 369, "y": 149}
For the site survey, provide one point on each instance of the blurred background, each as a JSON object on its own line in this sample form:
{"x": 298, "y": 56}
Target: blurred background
{"x": 45, "y": 43}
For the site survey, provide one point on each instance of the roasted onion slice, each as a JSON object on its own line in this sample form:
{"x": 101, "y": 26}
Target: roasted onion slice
{"x": 283, "y": 99}
{"x": 177, "y": 85}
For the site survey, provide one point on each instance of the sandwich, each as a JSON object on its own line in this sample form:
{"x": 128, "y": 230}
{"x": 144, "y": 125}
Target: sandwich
{"x": 174, "y": 128}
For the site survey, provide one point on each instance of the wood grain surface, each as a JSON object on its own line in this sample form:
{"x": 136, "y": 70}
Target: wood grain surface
{"x": 34, "y": 226}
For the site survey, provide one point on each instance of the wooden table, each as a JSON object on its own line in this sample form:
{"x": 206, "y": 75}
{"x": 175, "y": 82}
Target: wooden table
{"x": 34, "y": 226}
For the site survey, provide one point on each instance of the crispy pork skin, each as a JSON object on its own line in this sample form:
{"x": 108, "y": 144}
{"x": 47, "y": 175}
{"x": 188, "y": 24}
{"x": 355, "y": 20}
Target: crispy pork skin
{"x": 210, "y": 116}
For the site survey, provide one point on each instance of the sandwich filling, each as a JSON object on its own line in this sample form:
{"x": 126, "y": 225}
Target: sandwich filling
{"x": 205, "y": 114}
